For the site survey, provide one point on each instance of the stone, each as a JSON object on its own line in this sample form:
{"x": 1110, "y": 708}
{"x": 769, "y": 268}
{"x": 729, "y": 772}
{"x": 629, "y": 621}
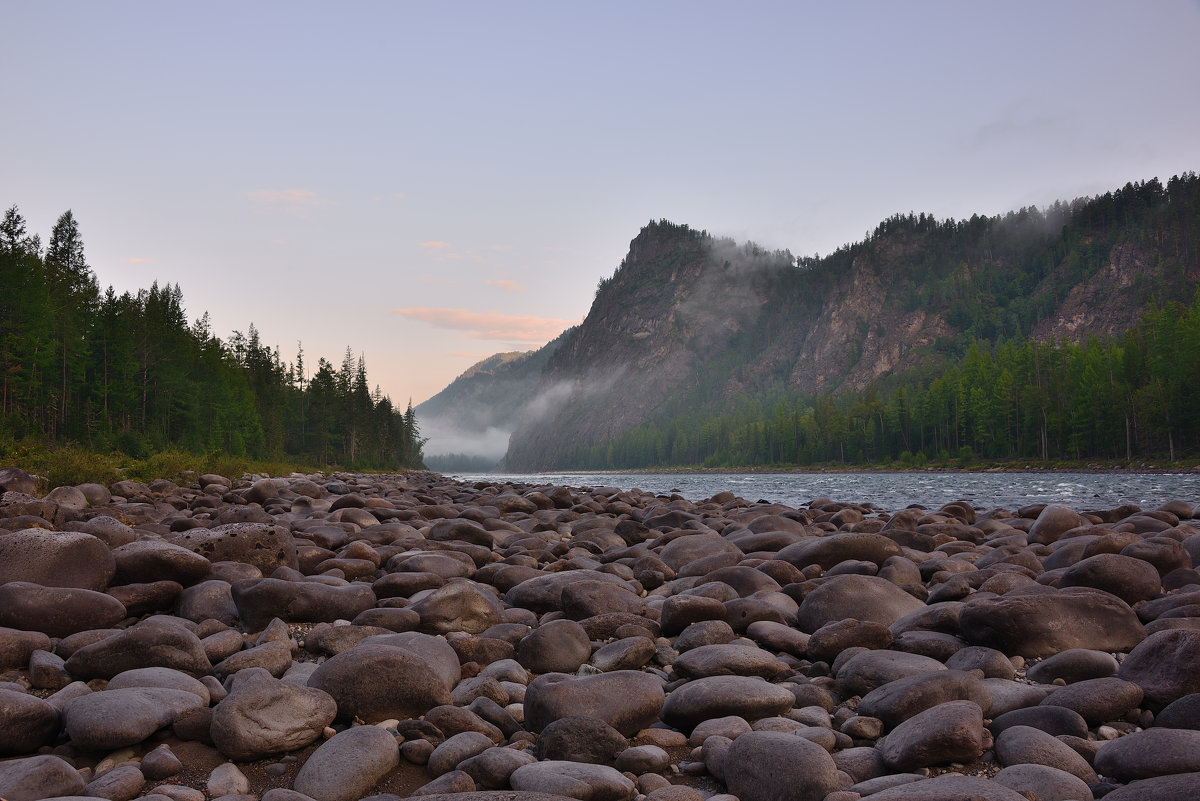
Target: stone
{"x": 56, "y": 611}
{"x": 148, "y": 644}
{"x": 227, "y": 779}
{"x": 586, "y": 599}
{"x": 1054, "y": 720}
{"x": 1044, "y": 783}
{"x": 158, "y": 560}
{"x": 897, "y": 701}
{"x": 629, "y": 653}
{"x": 458, "y": 605}
{"x": 1054, "y": 521}
{"x": 103, "y": 721}
{"x": 559, "y": 646}
{"x": 580, "y": 739}
{"x": 56, "y": 559}
{"x": 141, "y": 599}
{"x": 377, "y": 682}
{"x": 1182, "y": 713}
{"x": 1072, "y": 665}
{"x": 827, "y": 551}
{"x": 643, "y": 759}
{"x": 36, "y": 777}
{"x": 491, "y": 769}
{"x": 122, "y": 783}
{"x": 458, "y": 748}
{"x": 681, "y": 611}
{"x": 161, "y": 763}
{"x": 864, "y": 598}
{"x": 1166, "y": 666}
{"x": 627, "y": 700}
{"x": 1030, "y": 624}
{"x": 1097, "y": 700}
{"x": 772, "y": 766}
{"x": 1178, "y": 787}
{"x": 261, "y": 600}
{"x": 16, "y": 646}
{"x": 26, "y": 723}
{"x": 274, "y": 657}
{"x": 208, "y": 600}
{"x": 831, "y": 639}
{"x": 160, "y": 677}
{"x": 262, "y": 545}
{"x": 717, "y": 696}
{"x": 1129, "y": 579}
{"x": 1020, "y": 745}
{"x": 949, "y": 732}
{"x": 867, "y": 670}
{"x": 573, "y": 780}
{"x": 727, "y": 660}
{"x": 1150, "y": 753}
{"x": 949, "y": 787}
{"x": 347, "y": 765}
{"x": 263, "y": 717}
{"x": 454, "y": 782}
{"x": 993, "y": 663}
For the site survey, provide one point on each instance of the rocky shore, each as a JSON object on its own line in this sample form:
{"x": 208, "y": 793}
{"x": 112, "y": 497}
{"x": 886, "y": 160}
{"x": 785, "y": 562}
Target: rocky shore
{"x": 335, "y": 637}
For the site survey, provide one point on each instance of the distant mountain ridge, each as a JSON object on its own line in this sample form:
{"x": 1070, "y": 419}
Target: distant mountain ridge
{"x": 691, "y": 323}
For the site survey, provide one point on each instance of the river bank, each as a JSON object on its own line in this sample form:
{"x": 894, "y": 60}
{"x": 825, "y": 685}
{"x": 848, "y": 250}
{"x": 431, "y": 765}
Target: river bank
{"x": 344, "y": 635}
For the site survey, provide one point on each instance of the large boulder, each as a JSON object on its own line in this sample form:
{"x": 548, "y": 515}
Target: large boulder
{"x": 111, "y": 719}
{"x": 26, "y": 723}
{"x": 773, "y": 766}
{"x": 627, "y": 700}
{"x": 347, "y": 765}
{"x": 158, "y": 560}
{"x": 719, "y": 696}
{"x": 37, "y": 777}
{"x": 148, "y": 644}
{"x": 378, "y": 682}
{"x": 1166, "y": 666}
{"x": 949, "y": 732}
{"x": 261, "y": 600}
{"x": 56, "y": 611}
{"x": 865, "y": 598}
{"x": 263, "y": 717}
{"x": 56, "y": 559}
{"x": 459, "y": 605}
{"x": 263, "y": 545}
{"x": 1030, "y": 624}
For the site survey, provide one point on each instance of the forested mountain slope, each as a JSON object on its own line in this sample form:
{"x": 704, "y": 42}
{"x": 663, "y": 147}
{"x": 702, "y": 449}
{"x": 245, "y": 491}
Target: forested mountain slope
{"x": 993, "y": 334}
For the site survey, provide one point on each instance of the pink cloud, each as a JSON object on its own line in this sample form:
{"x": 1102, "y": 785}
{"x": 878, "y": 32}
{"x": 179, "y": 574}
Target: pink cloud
{"x": 526, "y": 329}
{"x": 138, "y": 260}
{"x": 434, "y": 244}
{"x": 291, "y": 200}
{"x": 506, "y": 285}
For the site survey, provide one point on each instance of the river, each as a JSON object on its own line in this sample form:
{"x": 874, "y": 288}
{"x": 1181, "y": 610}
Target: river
{"x": 892, "y": 491}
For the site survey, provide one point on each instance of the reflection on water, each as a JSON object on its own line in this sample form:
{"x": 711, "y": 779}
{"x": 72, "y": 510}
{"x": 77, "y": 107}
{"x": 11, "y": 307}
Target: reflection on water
{"x": 893, "y": 491}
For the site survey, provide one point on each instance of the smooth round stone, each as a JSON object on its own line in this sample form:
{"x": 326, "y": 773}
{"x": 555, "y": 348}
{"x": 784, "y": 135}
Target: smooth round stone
{"x": 865, "y": 598}
{"x": 580, "y": 739}
{"x": 643, "y": 759}
{"x": 727, "y": 660}
{"x": 1072, "y": 665}
{"x": 491, "y": 769}
{"x": 120, "y": 783}
{"x": 56, "y": 559}
{"x": 867, "y": 670}
{"x": 897, "y": 701}
{"x": 1044, "y": 782}
{"x": 949, "y": 732}
{"x": 161, "y": 763}
{"x": 718, "y": 696}
{"x": 589, "y": 598}
{"x": 1182, "y": 713}
{"x": 777, "y": 637}
{"x": 262, "y": 717}
{"x": 348, "y": 764}
{"x": 1019, "y": 745}
{"x": 1166, "y": 666}
{"x": 945, "y": 788}
{"x": 773, "y": 766}
{"x": 1129, "y": 579}
{"x": 462, "y": 746}
{"x": 103, "y": 721}
{"x": 459, "y": 605}
{"x": 993, "y": 663}
{"x": 1097, "y": 700}
{"x": 17, "y": 646}
{"x": 629, "y": 653}
{"x": 160, "y": 677}
{"x": 1179, "y": 787}
{"x": 56, "y": 611}
{"x": 261, "y": 600}
{"x": 1030, "y": 624}
{"x": 26, "y": 723}
{"x": 35, "y": 777}
{"x": 1150, "y": 753}
{"x": 681, "y": 611}
{"x": 150, "y": 643}
{"x": 574, "y": 780}
{"x": 377, "y": 682}
{"x": 1055, "y": 720}
{"x": 711, "y": 632}
{"x": 158, "y": 560}
{"x": 831, "y": 639}
{"x": 626, "y": 700}
{"x": 559, "y": 646}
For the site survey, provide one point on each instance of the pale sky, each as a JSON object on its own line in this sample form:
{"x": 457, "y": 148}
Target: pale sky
{"x": 432, "y": 183}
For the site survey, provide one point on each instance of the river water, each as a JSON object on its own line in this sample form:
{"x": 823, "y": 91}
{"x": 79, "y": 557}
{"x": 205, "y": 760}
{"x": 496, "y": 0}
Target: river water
{"x": 892, "y": 491}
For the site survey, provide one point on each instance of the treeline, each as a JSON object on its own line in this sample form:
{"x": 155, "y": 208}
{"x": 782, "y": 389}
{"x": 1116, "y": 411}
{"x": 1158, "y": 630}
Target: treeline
{"x": 127, "y": 373}
{"x": 1132, "y": 398}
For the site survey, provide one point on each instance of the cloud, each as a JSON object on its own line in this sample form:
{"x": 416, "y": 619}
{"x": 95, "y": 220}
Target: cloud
{"x": 525, "y": 329}
{"x": 138, "y": 260}
{"x": 289, "y": 200}
{"x": 506, "y": 285}
{"x": 434, "y": 245}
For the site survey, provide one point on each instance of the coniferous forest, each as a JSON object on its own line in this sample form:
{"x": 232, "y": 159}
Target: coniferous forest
{"x": 129, "y": 374}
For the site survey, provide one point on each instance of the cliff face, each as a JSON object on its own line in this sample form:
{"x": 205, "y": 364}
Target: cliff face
{"x": 690, "y": 323}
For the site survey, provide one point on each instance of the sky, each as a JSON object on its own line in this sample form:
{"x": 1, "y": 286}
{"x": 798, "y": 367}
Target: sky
{"x": 427, "y": 184}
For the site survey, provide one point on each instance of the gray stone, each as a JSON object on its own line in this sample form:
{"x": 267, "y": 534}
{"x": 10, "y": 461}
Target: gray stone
{"x": 122, "y": 783}
{"x": 717, "y": 696}
{"x": 866, "y": 598}
{"x": 949, "y": 732}
{"x": 263, "y": 545}
{"x": 627, "y": 700}
{"x": 574, "y": 780}
{"x": 56, "y": 611}
{"x": 148, "y": 644}
{"x": 26, "y": 723}
{"x": 114, "y": 719}
{"x": 1020, "y": 745}
{"x": 37, "y": 777}
{"x": 580, "y": 739}
{"x": 1030, "y": 623}
{"x": 456, "y": 749}
{"x": 1166, "y": 666}
{"x": 377, "y": 682}
{"x": 1044, "y": 782}
{"x": 56, "y": 559}
{"x": 347, "y": 765}
{"x": 263, "y": 717}
{"x": 1150, "y": 753}
{"x": 772, "y": 766}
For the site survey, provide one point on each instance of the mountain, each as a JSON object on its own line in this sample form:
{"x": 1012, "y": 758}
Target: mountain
{"x": 694, "y": 333}
{"x": 474, "y": 416}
